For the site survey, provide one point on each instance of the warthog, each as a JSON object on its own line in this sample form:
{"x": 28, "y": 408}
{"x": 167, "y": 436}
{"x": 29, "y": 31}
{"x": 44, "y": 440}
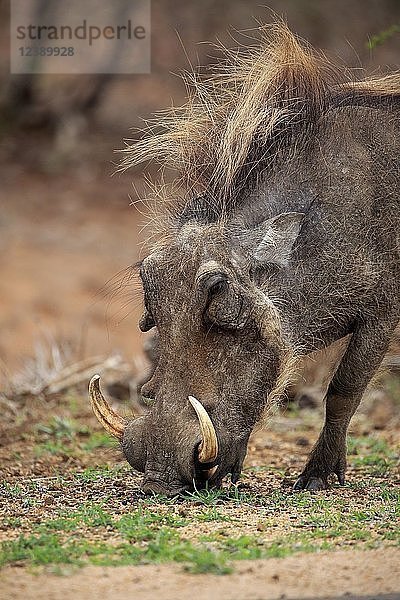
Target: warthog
{"x": 279, "y": 235}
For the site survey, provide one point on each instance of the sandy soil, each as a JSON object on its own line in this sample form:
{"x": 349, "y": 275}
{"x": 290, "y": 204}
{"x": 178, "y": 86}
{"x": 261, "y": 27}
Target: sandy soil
{"x": 371, "y": 574}
{"x": 65, "y": 241}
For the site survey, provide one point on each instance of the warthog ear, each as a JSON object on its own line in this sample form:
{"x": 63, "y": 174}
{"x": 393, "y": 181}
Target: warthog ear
{"x": 275, "y": 238}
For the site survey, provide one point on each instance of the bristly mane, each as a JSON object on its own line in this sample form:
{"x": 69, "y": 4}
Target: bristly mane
{"x": 234, "y": 121}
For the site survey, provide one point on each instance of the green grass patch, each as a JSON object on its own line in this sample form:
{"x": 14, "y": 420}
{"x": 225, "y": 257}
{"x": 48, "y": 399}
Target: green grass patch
{"x": 211, "y": 515}
{"x": 215, "y": 497}
{"x": 9, "y": 490}
{"x": 380, "y": 38}
{"x": 101, "y": 472}
{"x": 112, "y": 523}
{"x": 98, "y": 439}
{"x": 153, "y": 535}
{"x": 144, "y": 536}
{"x": 68, "y": 437}
{"x": 372, "y": 455}
{"x": 49, "y": 549}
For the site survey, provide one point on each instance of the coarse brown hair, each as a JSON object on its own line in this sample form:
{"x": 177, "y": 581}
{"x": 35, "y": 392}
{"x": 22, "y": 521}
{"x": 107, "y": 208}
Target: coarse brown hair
{"x": 238, "y": 118}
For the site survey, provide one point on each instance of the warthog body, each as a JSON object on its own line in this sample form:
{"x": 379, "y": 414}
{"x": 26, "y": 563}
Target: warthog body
{"x": 280, "y": 236}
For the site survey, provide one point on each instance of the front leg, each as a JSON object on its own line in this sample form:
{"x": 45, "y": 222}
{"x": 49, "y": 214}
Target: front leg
{"x": 328, "y": 455}
{"x": 363, "y": 356}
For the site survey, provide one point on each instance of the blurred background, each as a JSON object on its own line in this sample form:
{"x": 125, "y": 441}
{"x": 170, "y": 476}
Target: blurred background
{"x": 68, "y": 226}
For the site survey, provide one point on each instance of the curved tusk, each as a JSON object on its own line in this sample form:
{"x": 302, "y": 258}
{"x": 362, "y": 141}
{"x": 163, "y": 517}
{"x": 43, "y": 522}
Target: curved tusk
{"x": 208, "y": 450}
{"x": 111, "y": 421}
{"x": 210, "y": 472}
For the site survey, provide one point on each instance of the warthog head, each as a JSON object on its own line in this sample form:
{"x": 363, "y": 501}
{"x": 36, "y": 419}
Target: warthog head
{"x": 220, "y": 352}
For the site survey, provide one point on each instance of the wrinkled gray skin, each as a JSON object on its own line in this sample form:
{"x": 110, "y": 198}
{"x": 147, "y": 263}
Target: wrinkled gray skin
{"x": 309, "y": 256}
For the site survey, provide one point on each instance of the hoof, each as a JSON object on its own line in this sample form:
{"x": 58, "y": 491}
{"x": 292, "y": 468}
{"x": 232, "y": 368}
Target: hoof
{"x": 310, "y": 484}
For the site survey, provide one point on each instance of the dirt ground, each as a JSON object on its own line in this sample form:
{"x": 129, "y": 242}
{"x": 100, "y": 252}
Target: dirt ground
{"x": 371, "y": 575}
{"x": 51, "y": 479}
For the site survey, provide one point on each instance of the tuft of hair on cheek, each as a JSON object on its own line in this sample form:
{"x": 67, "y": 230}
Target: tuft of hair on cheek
{"x": 288, "y": 374}
{"x": 267, "y": 318}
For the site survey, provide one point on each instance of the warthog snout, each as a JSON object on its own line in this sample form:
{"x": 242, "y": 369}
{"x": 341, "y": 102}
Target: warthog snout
{"x": 140, "y": 447}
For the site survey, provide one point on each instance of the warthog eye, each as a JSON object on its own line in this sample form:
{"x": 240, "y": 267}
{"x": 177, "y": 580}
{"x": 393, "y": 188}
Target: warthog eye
{"x": 210, "y": 284}
{"x": 222, "y": 298}
{"x": 224, "y": 307}
{"x": 218, "y": 287}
